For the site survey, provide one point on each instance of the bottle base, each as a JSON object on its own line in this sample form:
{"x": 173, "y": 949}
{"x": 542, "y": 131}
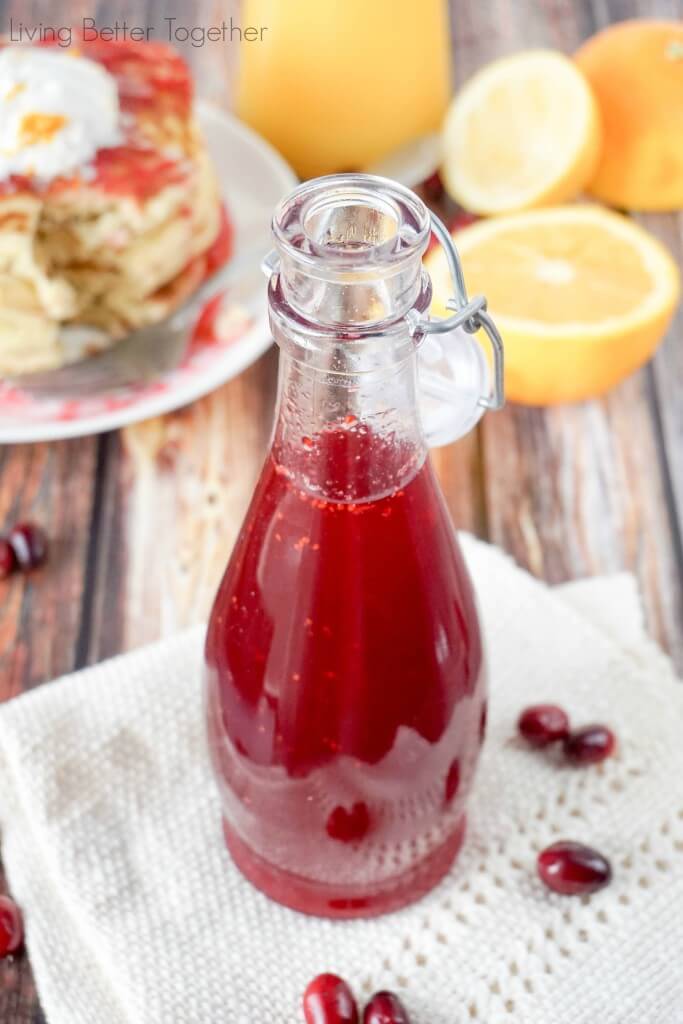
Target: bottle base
{"x": 322, "y": 900}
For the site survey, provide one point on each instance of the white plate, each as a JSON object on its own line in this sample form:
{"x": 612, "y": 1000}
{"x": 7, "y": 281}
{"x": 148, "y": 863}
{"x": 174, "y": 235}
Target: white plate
{"x": 253, "y": 179}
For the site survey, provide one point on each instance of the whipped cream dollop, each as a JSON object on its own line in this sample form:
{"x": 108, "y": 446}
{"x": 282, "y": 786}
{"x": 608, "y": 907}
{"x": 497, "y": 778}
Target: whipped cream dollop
{"x": 56, "y": 111}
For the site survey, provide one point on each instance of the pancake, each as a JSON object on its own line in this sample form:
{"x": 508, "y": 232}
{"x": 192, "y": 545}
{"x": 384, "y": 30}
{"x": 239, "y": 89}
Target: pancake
{"x": 121, "y": 239}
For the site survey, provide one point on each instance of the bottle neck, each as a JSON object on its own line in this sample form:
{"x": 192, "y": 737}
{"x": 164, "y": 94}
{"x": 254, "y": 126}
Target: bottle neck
{"x": 346, "y": 280}
{"x": 348, "y": 437}
{"x": 350, "y": 250}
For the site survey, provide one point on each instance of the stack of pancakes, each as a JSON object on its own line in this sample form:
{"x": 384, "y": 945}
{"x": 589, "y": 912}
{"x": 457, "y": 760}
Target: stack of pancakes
{"x": 121, "y": 241}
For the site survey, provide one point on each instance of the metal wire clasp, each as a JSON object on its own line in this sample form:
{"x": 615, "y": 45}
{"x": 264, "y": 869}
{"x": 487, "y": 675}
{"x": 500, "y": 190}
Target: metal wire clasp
{"x": 471, "y": 314}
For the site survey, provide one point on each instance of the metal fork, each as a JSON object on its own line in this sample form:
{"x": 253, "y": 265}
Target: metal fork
{"x": 145, "y": 354}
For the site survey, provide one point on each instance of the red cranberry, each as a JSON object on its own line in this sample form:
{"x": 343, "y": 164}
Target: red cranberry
{"x": 457, "y": 222}
{"x": 432, "y": 243}
{"x": 29, "y": 542}
{"x": 8, "y": 561}
{"x": 348, "y": 825}
{"x": 11, "y": 927}
{"x": 461, "y": 219}
{"x": 432, "y": 187}
{"x": 328, "y": 1000}
{"x": 543, "y": 724}
{"x": 573, "y": 869}
{"x": 385, "y": 1008}
{"x": 590, "y": 745}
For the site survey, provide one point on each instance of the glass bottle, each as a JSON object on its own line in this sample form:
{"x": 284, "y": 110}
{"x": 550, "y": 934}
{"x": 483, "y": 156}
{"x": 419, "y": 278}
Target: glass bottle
{"x": 339, "y": 85}
{"x": 345, "y": 675}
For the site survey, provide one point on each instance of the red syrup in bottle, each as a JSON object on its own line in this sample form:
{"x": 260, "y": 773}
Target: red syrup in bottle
{"x": 345, "y": 684}
{"x": 344, "y": 675}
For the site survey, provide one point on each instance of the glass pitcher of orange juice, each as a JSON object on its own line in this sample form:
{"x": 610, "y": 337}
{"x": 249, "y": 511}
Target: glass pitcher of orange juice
{"x": 336, "y": 85}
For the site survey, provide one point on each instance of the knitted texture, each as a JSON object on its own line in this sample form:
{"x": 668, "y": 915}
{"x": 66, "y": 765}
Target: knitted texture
{"x": 136, "y": 915}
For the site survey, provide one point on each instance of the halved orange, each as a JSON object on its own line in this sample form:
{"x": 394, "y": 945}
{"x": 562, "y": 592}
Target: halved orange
{"x": 522, "y": 132}
{"x": 582, "y": 296}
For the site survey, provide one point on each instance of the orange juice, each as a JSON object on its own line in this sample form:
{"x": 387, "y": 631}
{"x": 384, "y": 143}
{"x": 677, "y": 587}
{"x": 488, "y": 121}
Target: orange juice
{"x": 337, "y": 85}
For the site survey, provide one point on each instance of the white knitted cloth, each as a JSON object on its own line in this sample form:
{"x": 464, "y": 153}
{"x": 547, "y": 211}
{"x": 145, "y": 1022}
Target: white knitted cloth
{"x": 135, "y": 914}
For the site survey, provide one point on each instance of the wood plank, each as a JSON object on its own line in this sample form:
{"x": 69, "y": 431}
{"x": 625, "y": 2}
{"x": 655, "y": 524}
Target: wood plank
{"x": 666, "y": 371}
{"x": 100, "y": 630}
{"x": 607, "y": 11}
{"x": 184, "y": 484}
{"x": 667, "y": 379}
{"x": 484, "y": 31}
{"x": 40, "y": 613}
{"x": 459, "y": 468}
{"x": 580, "y": 489}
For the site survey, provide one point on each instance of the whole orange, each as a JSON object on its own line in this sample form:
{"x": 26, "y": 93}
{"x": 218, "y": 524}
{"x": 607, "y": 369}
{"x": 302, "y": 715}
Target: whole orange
{"x": 636, "y": 71}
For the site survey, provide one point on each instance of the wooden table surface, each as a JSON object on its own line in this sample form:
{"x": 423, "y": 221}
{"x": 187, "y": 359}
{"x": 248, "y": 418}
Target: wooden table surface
{"x": 143, "y": 520}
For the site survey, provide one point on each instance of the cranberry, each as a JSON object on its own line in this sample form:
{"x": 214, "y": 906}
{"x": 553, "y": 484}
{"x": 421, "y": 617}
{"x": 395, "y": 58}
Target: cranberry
{"x": 385, "y": 1008}
{"x": 29, "y": 543}
{"x": 328, "y": 1000}
{"x": 432, "y": 187}
{"x": 543, "y": 724}
{"x": 590, "y": 745}
{"x": 573, "y": 869}
{"x": 432, "y": 243}
{"x": 461, "y": 219}
{"x": 8, "y": 561}
{"x": 11, "y": 927}
{"x": 348, "y": 825}
{"x": 457, "y": 222}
